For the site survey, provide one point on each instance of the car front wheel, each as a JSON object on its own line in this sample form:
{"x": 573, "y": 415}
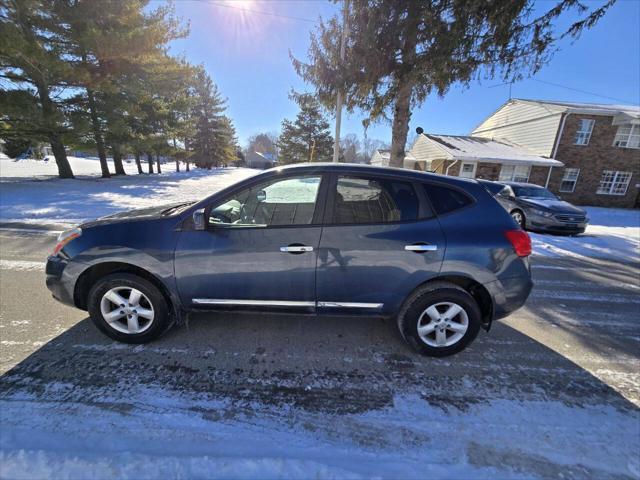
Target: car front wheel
{"x": 439, "y": 319}
{"x": 518, "y": 216}
{"x": 128, "y": 308}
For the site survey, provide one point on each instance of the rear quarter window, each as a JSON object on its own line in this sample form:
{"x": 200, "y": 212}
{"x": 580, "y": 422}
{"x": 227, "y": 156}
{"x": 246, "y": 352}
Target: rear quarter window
{"x": 445, "y": 199}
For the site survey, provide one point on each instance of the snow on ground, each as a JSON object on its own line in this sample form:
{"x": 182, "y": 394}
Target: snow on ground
{"x": 612, "y": 233}
{"x": 154, "y": 434}
{"x": 47, "y": 199}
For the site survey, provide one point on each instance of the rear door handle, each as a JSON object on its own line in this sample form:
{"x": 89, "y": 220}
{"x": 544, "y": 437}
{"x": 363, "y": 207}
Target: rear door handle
{"x": 296, "y": 249}
{"x": 421, "y": 248}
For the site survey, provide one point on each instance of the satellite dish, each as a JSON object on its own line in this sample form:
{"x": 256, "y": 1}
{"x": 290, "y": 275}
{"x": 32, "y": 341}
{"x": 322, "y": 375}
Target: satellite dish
{"x": 419, "y": 130}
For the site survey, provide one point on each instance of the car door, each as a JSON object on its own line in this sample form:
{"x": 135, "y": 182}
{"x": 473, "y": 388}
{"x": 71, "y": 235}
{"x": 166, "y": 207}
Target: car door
{"x": 379, "y": 242}
{"x": 259, "y": 247}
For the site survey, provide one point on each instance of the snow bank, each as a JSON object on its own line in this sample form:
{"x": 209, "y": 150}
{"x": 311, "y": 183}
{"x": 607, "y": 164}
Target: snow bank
{"x": 52, "y": 200}
{"x": 153, "y": 434}
{"x": 612, "y": 233}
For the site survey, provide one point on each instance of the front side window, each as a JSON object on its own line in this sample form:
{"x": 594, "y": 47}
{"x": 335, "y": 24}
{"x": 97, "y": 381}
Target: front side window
{"x": 515, "y": 173}
{"x": 627, "y": 136}
{"x": 585, "y": 127}
{"x": 614, "y": 182}
{"x": 569, "y": 179}
{"x": 374, "y": 200}
{"x": 288, "y": 201}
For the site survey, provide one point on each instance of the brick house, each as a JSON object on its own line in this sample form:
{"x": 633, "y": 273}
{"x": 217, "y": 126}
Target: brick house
{"x": 597, "y": 149}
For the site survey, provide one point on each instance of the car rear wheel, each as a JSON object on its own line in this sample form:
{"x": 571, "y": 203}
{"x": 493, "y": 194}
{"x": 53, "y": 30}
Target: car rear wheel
{"x": 439, "y": 319}
{"x": 518, "y": 216}
{"x": 128, "y": 308}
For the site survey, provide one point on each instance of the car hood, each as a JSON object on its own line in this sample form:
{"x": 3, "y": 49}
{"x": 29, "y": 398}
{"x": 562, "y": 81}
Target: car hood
{"x": 148, "y": 213}
{"x": 555, "y": 205}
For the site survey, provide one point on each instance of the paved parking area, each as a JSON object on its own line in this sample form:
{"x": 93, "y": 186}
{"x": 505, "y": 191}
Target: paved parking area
{"x": 575, "y": 343}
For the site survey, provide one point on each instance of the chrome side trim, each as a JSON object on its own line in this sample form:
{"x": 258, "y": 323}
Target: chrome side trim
{"x": 376, "y": 306}
{"x": 421, "y": 248}
{"x": 259, "y": 303}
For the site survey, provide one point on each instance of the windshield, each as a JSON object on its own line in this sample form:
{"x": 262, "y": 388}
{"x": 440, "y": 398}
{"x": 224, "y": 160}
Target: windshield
{"x": 533, "y": 192}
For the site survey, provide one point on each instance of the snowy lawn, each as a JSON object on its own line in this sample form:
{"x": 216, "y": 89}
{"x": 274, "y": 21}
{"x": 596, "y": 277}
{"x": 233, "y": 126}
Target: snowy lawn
{"x": 48, "y": 200}
{"x": 154, "y": 434}
{"x": 612, "y": 233}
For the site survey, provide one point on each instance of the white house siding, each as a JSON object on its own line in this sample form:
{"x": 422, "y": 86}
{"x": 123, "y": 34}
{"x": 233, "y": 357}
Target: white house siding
{"x": 529, "y": 124}
{"x": 379, "y": 160}
{"x": 424, "y": 149}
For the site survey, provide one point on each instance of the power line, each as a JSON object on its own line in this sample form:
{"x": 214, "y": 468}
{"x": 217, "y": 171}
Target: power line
{"x": 566, "y": 88}
{"x": 582, "y": 91}
{"x": 260, "y": 12}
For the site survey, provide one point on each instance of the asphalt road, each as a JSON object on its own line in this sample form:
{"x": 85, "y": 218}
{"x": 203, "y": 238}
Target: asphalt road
{"x": 576, "y": 341}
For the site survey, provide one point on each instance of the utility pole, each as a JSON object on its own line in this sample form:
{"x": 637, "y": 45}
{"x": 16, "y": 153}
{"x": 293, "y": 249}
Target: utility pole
{"x": 343, "y": 41}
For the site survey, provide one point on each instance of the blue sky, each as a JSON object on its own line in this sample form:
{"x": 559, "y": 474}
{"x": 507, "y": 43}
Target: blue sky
{"x": 247, "y": 55}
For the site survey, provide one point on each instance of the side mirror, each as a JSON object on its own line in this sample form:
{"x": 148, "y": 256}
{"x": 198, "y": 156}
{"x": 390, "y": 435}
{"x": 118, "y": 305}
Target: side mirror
{"x": 199, "y": 219}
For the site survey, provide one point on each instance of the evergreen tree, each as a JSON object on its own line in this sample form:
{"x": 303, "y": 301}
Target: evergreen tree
{"x": 398, "y": 52}
{"x": 212, "y": 143}
{"x": 32, "y": 59}
{"x": 307, "y": 139}
{"x": 120, "y": 52}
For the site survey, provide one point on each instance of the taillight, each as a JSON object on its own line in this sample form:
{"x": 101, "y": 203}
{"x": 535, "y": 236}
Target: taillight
{"x": 65, "y": 237}
{"x": 521, "y": 242}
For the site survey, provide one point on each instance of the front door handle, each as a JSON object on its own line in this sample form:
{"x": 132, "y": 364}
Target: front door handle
{"x": 421, "y": 248}
{"x": 296, "y": 249}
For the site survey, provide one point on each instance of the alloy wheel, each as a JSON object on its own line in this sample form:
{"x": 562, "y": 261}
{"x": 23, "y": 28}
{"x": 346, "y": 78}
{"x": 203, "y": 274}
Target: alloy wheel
{"x": 443, "y": 324}
{"x": 127, "y": 310}
{"x": 517, "y": 216}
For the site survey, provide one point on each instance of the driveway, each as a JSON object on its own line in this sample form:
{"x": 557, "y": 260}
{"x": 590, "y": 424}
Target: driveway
{"x": 561, "y": 373}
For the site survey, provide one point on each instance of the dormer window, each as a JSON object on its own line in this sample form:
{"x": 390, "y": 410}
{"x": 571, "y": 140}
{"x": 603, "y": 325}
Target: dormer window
{"x": 628, "y": 136}
{"x": 585, "y": 127}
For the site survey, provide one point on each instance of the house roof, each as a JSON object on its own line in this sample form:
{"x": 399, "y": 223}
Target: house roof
{"x": 478, "y": 149}
{"x": 591, "y": 108}
{"x": 387, "y": 154}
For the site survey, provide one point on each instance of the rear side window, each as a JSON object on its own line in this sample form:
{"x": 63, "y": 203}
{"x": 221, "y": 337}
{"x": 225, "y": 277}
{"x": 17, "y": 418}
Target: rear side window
{"x": 445, "y": 199}
{"x": 374, "y": 200}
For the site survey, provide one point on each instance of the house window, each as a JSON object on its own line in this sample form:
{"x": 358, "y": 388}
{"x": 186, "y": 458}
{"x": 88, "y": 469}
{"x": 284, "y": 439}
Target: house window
{"x": 614, "y": 182}
{"x": 569, "y": 179}
{"x": 515, "y": 173}
{"x": 468, "y": 170}
{"x": 584, "y": 131}
{"x": 627, "y": 136}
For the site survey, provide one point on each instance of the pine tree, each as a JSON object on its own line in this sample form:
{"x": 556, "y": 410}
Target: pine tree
{"x": 398, "y": 52}
{"x": 307, "y": 139}
{"x": 31, "y": 58}
{"x": 213, "y": 136}
{"x": 120, "y": 52}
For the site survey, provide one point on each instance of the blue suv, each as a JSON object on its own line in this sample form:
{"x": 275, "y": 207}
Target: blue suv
{"x": 437, "y": 253}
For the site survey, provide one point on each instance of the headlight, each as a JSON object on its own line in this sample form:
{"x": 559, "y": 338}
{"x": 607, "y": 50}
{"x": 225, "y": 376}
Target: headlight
{"x": 542, "y": 213}
{"x": 65, "y": 237}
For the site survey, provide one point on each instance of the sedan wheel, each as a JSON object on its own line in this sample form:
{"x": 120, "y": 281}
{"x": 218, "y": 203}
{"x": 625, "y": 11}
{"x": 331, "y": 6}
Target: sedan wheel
{"x": 127, "y": 310}
{"x": 518, "y": 217}
{"x": 443, "y": 324}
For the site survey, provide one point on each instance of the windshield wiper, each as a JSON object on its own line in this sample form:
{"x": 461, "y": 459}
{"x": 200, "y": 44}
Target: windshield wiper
{"x": 175, "y": 207}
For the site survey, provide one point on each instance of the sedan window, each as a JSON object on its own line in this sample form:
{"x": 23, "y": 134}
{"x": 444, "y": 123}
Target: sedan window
{"x": 374, "y": 200}
{"x": 289, "y": 201}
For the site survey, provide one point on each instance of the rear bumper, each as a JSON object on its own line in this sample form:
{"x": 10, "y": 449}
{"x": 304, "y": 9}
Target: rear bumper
{"x": 58, "y": 281}
{"x": 509, "y": 294}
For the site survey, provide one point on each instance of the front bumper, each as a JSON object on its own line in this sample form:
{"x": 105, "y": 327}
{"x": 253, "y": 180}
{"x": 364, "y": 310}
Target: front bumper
{"x": 58, "y": 281}
{"x": 539, "y": 223}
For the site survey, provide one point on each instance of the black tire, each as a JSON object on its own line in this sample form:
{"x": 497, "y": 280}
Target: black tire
{"x": 433, "y": 294}
{"x": 522, "y": 222}
{"x": 161, "y": 318}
